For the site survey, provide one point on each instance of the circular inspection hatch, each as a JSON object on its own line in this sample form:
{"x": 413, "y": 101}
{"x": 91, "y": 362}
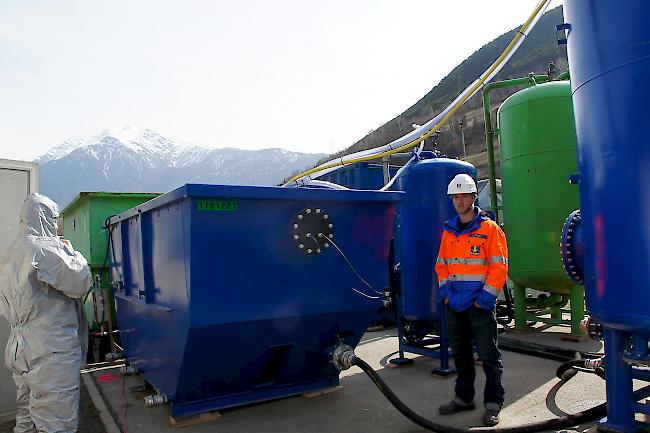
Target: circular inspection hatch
{"x": 311, "y": 230}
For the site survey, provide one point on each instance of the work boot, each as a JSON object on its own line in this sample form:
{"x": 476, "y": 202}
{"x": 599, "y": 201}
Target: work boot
{"x": 455, "y": 406}
{"x": 491, "y": 417}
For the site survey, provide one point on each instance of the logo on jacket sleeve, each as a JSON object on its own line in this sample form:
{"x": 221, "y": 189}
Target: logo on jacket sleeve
{"x": 474, "y": 250}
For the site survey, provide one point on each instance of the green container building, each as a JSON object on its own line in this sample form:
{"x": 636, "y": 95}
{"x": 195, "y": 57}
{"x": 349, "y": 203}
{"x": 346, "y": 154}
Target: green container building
{"x": 83, "y": 225}
{"x": 538, "y": 153}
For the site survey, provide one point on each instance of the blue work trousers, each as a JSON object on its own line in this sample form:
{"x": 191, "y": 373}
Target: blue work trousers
{"x": 480, "y": 326}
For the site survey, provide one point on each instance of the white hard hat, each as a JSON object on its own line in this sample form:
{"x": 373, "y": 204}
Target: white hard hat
{"x": 461, "y": 184}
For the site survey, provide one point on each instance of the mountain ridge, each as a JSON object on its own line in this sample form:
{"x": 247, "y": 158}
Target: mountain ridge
{"x": 141, "y": 160}
{"x": 538, "y": 50}
{"x": 135, "y": 159}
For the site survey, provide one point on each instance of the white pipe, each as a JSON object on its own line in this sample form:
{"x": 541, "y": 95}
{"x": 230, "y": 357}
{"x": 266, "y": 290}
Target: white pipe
{"x": 399, "y": 172}
{"x": 323, "y": 183}
{"x": 439, "y": 120}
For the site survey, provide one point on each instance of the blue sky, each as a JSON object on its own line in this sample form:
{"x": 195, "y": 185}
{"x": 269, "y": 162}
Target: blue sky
{"x": 301, "y": 75}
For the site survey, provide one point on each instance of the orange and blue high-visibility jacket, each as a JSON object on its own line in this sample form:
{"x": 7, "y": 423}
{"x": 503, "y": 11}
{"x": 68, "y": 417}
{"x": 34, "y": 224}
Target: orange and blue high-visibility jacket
{"x": 472, "y": 264}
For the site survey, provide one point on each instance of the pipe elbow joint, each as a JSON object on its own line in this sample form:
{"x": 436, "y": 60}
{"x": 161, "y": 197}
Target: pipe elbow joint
{"x": 344, "y": 357}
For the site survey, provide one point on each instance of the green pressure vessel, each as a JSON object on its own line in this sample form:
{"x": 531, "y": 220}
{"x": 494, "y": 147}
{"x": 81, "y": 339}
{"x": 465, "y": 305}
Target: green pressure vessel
{"x": 538, "y": 152}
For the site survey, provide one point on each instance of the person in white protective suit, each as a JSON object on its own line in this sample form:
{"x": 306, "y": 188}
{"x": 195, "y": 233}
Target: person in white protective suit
{"x": 42, "y": 280}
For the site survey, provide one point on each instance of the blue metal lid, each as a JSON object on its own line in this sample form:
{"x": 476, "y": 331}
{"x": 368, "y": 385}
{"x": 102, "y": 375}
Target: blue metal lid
{"x": 261, "y": 193}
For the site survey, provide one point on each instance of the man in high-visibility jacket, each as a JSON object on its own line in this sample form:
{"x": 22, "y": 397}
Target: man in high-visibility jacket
{"x": 472, "y": 267}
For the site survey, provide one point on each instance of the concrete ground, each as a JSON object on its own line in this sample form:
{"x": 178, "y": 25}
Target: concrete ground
{"x": 533, "y": 394}
{"x": 89, "y": 417}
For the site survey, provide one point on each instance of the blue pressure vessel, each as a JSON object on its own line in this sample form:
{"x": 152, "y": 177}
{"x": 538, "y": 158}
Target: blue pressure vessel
{"x": 421, "y": 215}
{"x": 609, "y": 57}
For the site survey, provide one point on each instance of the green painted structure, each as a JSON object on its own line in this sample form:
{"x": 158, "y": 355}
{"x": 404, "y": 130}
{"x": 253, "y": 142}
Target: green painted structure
{"x": 538, "y": 153}
{"x": 83, "y": 225}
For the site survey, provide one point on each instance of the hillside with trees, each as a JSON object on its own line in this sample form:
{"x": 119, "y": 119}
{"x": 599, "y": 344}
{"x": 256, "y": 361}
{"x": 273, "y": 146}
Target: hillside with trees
{"x": 538, "y": 50}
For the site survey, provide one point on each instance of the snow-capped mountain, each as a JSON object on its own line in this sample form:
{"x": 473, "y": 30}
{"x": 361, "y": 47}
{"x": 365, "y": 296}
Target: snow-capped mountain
{"x": 141, "y": 160}
{"x": 145, "y": 142}
{"x": 60, "y": 151}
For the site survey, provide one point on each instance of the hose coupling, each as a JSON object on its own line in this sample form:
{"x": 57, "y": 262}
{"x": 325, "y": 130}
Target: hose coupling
{"x": 128, "y": 370}
{"x": 594, "y": 363}
{"x": 343, "y": 357}
{"x": 155, "y": 400}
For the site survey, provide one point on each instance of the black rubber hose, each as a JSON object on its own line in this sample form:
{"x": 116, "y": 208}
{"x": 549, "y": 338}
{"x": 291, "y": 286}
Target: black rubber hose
{"x": 539, "y": 350}
{"x": 566, "y": 370}
{"x": 570, "y": 368}
{"x": 556, "y": 423}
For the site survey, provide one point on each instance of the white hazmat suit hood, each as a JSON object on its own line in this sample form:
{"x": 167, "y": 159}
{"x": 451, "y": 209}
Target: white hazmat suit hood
{"x": 42, "y": 280}
{"x": 39, "y": 216}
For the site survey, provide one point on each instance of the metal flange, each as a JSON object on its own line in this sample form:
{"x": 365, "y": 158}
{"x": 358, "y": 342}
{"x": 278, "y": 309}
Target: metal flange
{"x": 571, "y": 247}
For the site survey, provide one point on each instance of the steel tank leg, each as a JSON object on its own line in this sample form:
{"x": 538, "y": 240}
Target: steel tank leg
{"x": 519, "y": 299}
{"x": 556, "y": 313}
{"x": 577, "y": 310}
{"x": 620, "y": 412}
{"x": 401, "y": 360}
{"x": 444, "y": 369}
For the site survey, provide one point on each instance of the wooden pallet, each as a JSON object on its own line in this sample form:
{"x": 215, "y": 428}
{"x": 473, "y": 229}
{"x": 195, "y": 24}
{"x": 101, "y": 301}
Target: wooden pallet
{"x": 190, "y": 420}
{"x": 322, "y": 392}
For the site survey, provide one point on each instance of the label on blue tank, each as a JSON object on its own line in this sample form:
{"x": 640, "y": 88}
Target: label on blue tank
{"x": 217, "y": 205}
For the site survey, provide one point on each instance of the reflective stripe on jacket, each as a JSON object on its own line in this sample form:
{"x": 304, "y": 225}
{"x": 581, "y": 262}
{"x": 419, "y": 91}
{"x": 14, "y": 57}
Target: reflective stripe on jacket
{"x": 472, "y": 264}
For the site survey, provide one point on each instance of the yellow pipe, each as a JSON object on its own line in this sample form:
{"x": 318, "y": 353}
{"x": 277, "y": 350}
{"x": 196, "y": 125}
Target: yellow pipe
{"x": 480, "y": 82}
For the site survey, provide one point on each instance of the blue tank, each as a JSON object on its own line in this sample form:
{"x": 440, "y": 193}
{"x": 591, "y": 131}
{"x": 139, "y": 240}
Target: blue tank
{"x": 421, "y": 215}
{"x": 609, "y": 56}
{"x": 360, "y": 175}
{"x": 224, "y": 297}
{"x": 365, "y": 176}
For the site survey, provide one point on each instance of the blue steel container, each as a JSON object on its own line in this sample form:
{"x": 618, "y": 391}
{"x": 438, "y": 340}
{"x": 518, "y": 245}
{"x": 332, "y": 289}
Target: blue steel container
{"x": 218, "y": 306}
{"x": 365, "y": 176}
{"x": 424, "y": 209}
{"x": 360, "y": 175}
{"x": 609, "y": 55}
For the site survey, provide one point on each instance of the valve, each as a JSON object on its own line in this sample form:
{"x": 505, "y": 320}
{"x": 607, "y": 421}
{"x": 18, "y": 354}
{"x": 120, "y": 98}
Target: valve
{"x": 155, "y": 400}
{"x": 386, "y": 300}
{"x": 114, "y": 356}
{"x": 128, "y": 370}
